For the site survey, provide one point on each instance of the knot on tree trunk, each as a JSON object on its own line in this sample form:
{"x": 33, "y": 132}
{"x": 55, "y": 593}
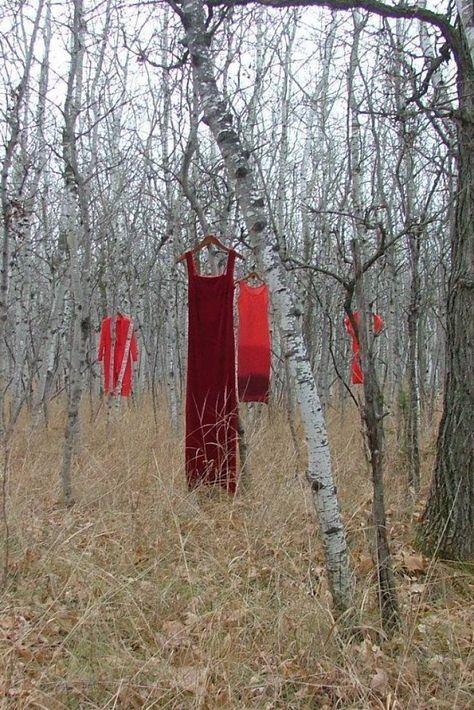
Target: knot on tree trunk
{"x": 242, "y": 171}
{"x": 259, "y": 226}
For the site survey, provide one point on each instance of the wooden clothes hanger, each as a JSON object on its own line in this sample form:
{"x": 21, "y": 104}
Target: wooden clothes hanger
{"x": 252, "y": 275}
{"x": 207, "y": 241}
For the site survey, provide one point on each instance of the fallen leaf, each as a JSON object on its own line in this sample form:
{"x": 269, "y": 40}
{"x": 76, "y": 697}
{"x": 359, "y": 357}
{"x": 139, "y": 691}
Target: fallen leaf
{"x": 414, "y": 563}
{"x": 191, "y": 679}
{"x": 417, "y": 588}
{"x": 379, "y": 683}
{"x": 365, "y": 564}
{"x": 370, "y": 653}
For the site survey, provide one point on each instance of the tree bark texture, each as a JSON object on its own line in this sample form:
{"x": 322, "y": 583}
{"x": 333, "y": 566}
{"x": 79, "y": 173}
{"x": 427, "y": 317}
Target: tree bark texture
{"x": 77, "y": 230}
{"x": 11, "y": 209}
{"x": 447, "y": 527}
{"x": 372, "y": 411}
{"x": 373, "y": 419}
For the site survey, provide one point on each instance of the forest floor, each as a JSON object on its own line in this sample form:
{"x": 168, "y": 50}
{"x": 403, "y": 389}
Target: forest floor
{"x": 144, "y": 596}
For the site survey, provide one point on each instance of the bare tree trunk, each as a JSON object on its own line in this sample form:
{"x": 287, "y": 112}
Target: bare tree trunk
{"x": 447, "y": 528}
{"x": 373, "y": 399}
{"x": 170, "y": 331}
{"x": 219, "y": 119}
{"x": 373, "y": 417}
{"x": 7, "y": 200}
{"x": 412, "y": 441}
{"x": 76, "y": 224}
{"x": 466, "y": 14}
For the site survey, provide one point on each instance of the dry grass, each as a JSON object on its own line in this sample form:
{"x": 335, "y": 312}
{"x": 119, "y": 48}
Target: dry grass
{"x": 143, "y": 596}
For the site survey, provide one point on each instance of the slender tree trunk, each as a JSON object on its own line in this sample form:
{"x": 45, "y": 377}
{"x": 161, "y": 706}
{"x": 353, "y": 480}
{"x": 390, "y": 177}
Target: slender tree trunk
{"x": 49, "y": 346}
{"x": 76, "y": 224}
{"x": 373, "y": 417}
{"x": 6, "y": 201}
{"x": 170, "y": 328}
{"x": 373, "y": 399}
{"x": 412, "y": 440}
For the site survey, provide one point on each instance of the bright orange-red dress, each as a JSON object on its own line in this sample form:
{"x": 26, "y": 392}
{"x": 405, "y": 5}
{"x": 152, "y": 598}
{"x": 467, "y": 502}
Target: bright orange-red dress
{"x": 254, "y": 354}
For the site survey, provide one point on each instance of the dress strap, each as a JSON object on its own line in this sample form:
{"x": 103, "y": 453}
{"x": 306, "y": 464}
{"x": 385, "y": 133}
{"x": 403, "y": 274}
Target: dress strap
{"x": 190, "y": 263}
{"x": 229, "y": 271}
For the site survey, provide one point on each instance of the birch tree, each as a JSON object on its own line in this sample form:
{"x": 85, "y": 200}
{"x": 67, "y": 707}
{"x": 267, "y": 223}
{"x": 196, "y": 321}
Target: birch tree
{"x": 76, "y": 224}
{"x": 219, "y": 119}
{"x": 12, "y": 209}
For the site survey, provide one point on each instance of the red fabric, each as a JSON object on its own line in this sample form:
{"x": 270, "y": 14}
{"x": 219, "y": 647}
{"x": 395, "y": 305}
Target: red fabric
{"x": 357, "y": 376}
{"x": 122, "y": 324}
{"x": 211, "y": 397}
{"x": 254, "y": 357}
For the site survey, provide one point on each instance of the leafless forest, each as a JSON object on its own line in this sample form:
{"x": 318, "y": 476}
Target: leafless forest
{"x": 331, "y": 143}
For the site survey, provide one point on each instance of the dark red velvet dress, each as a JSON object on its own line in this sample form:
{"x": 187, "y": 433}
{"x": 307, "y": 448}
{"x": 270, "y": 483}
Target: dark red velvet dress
{"x": 211, "y": 398}
{"x": 254, "y": 358}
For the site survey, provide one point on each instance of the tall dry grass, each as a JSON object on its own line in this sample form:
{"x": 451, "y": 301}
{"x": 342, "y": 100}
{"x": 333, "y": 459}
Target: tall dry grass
{"x": 146, "y": 596}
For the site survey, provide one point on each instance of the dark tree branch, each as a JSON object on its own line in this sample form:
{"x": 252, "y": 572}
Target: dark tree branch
{"x": 435, "y": 64}
{"x": 402, "y": 11}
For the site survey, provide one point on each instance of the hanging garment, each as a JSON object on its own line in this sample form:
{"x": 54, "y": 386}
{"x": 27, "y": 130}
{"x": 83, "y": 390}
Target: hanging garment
{"x": 211, "y": 398}
{"x": 357, "y": 377}
{"x": 356, "y": 370}
{"x": 254, "y": 358}
{"x": 117, "y": 349}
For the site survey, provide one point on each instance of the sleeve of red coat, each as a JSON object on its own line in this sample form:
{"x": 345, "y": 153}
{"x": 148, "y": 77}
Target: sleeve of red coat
{"x": 378, "y": 323}
{"x": 134, "y": 347}
{"x": 348, "y": 326}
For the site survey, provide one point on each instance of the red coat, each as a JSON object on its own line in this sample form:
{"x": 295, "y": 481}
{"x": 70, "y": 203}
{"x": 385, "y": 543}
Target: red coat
{"x": 117, "y": 361}
{"x": 357, "y": 374}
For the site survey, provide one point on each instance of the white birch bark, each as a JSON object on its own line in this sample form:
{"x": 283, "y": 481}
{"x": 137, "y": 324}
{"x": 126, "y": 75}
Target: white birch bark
{"x": 48, "y": 345}
{"x": 7, "y": 204}
{"x": 219, "y": 119}
{"x": 76, "y": 225}
{"x": 170, "y": 228}
{"x": 466, "y": 14}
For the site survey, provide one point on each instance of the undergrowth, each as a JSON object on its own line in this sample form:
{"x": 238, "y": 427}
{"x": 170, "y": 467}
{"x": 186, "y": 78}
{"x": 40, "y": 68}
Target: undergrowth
{"x": 146, "y": 596}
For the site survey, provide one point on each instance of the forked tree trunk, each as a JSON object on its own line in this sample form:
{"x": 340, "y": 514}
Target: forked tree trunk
{"x": 218, "y": 117}
{"x": 372, "y": 410}
{"x": 373, "y": 417}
